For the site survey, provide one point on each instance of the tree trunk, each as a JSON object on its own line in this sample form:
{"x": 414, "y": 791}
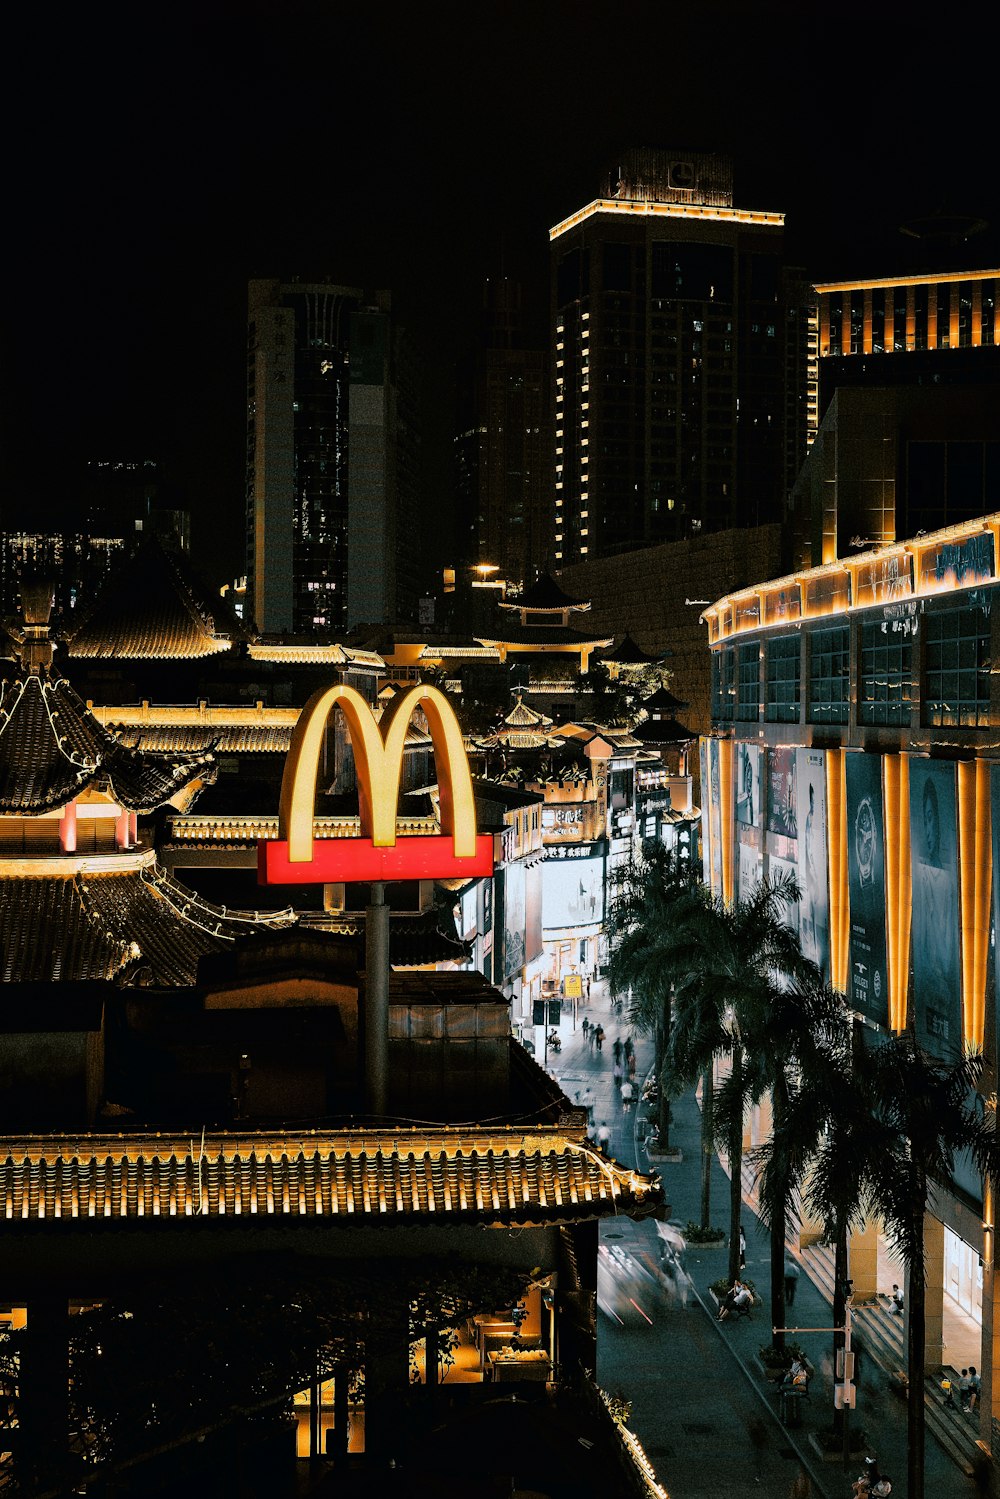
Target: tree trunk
{"x": 662, "y": 1040}
{"x": 735, "y": 1149}
{"x": 916, "y": 1315}
{"x": 707, "y": 1146}
{"x": 778, "y": 1207}
{"x": 839, "y": 1303}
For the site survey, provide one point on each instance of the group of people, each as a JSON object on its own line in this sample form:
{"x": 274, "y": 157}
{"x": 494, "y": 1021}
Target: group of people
{"x": 738, "y": 1299}
{"x": 870, "y": 1483}
{"x": 969, "y": 1389}
{"x": 594, "y": 1034}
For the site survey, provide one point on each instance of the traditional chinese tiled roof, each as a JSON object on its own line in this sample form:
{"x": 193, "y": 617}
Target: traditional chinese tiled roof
{"x": 662, "y": 731}
{"x": 546, "y": 594}
{"x": 629, "y": 653}
{"x": 521, "y": 716}
{"x": 52, "y": 748}
{"x": 152, "y": 608}
{"x": 235, "y": 739}
{"x": 549, "y": 635}
{"x": 91, "y": 925}
{"x": 663, "y": 703}
{"x": 414, "y": 940}
{"x": 309, "y": 653}
{"x": 387, "y": 1179}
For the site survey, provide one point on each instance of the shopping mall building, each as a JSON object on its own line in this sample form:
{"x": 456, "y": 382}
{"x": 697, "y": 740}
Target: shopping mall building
{"x": 854, "y": 744}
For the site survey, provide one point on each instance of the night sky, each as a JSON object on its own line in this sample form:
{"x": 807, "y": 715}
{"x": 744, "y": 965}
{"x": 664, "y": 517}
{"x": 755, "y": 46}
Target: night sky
{"x": 158, "y": 156}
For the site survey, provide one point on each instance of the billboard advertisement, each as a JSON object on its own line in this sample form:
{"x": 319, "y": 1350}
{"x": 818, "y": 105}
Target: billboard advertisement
{"x": 750, "y": 870}
{"x": 513, "y": 919}
{"x": 748, "y": 786}
{"x": 814, "y": 902}
{"x": 937, "y": 973}
{"x": 781, "y": 812}
{"x": 783, "y": 869}
{"x": 533, "y": 912}
{"x": 868, "y": 988}
{"x": 715, "y": 811}
{"x": 706, "y": 812}
{"x": 572, "y": 892}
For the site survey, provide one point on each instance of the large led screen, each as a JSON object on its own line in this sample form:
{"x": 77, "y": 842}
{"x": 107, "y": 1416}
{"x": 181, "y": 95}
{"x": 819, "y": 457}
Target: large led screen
{"x": 868, "y": 983}
{"x": 814, "y": 901}
{"x": 937, "y": 974}
{"x": 572, "y": 892}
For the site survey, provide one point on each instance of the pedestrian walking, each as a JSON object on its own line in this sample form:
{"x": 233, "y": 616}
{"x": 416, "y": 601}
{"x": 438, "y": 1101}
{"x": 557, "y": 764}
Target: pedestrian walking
{"x": 603, "y": 1137}
{"x": 616, "y": 1073}
{"x": 631, "y": 1066}
{"x": 588, "y": 986}
{"x": 585, "y": 1027}
{"x": 628, "y": 1092}
{"x": 587, "y": 1102}
{"x": 743, "y": 1249}
{"x": 975, "y": 1387}
{"x": 617, "y": 1048}
{"x": 792, "y": 1273}
{"x": 629, "y": 1047}
{"x": 599, "y": 1037}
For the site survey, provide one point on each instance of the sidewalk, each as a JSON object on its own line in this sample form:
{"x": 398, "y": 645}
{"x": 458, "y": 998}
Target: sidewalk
{"x": 701, "y": 1405}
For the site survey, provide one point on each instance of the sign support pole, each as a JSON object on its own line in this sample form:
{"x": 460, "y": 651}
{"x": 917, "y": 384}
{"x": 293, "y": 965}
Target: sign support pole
{"x": 376, "y": 999}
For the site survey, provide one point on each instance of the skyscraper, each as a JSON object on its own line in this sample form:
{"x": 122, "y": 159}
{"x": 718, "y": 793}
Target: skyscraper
{"x": 684, "y": 360}
{"x": 332, "y": 459}
{"x": 504, "y": 446}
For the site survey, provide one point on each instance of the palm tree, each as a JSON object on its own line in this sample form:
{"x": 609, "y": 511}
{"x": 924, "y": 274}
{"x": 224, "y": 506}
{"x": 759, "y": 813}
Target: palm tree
{"x": 792, "y": 1042}
{"x": 652, "y": 907}
{"x": 890, "y": 1121}
{"x": 736, "y": 961}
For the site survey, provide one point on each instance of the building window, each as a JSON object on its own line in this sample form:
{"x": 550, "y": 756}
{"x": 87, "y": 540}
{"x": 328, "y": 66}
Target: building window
{"x": 723, "y": 684}
{"x": 782, "y": 677}
{"x": 748, "y": 688}
{"x": 884, "y": 685}
{"x": 956, "y": 685}
{"x": 830, "y": 675}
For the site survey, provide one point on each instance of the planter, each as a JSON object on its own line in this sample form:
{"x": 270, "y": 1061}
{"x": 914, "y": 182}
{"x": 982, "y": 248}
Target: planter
{"x": 858, "y": 1453}
{"x": 672, "y": 1154}
{"x": 773, "y": 1373}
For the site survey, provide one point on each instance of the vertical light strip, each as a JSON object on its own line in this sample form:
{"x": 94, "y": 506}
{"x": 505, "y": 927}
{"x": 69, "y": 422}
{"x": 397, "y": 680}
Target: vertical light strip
{"x": 899, "y": 883}
{"x": 975, "y": 861}
{"x": 836, "y": 818}
{"x": 727, "y": 819}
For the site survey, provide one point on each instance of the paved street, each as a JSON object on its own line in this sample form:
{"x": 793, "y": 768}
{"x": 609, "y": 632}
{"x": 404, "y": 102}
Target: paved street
{"x": 705, "y": 1415}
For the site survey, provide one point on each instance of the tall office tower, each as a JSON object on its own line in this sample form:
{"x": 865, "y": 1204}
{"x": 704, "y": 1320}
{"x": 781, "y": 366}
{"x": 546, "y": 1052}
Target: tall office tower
{"x": 332, "y": 459}
{"x": 673, "y": 348}
{"x": 504, "y": 448}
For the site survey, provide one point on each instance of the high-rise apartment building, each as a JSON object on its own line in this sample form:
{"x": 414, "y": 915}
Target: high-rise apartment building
{"x": 504, "y": 447}
{"x": 332, "y": 459}
{"x": 684, "y": 360}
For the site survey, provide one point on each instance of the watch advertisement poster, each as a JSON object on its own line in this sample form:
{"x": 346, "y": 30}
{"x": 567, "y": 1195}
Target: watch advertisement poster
{"x": 748, "y": 785}
{"x": 868, "y": 983}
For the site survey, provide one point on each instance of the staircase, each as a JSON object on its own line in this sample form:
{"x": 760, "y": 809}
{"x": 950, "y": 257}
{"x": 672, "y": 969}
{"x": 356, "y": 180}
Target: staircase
{"x": 880, "y": 1332}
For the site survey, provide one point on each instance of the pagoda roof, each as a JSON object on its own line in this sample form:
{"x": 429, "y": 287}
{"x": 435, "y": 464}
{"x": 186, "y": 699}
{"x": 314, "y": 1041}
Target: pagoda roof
{"x": 63, "y": 927}
{"x": 514, "y": 633}
{"x": 415, "y": 939}
{"x": 52, "y": 748}
{"x": 152, "y": 608}
{"x": 629, "y": 654}
{"x": 521, "y": 716}
{"x": 546, "y": 594}
{"x": 663, "y": 701}
{"x": 662, "y": 731}
{"x": 384, "y": 1178}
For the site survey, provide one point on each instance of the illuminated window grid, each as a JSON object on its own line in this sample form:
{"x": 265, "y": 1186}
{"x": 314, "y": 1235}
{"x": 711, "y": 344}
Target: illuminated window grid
{"x": 956, "y": 681}
{"x": 723, "y": 684}
{"x": 748, "y": 683}
{"x": 884, "y": 679}
{"x": 830, "y": 675}
{"x": 781, "y": 676}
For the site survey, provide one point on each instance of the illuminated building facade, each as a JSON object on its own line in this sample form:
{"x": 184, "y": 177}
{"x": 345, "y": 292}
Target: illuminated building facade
{"x": 894, "y": 330}
{"x": 332, "y": 459}
{"x": 854, "y": 746}
{"x": 684, "y": 357}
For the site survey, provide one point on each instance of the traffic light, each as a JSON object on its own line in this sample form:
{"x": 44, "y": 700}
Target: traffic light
{"x": 538, "y": 1012}
{"x": 555, "y": 1011}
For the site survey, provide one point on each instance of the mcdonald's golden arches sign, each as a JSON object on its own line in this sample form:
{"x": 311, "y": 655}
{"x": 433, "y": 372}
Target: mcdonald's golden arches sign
{"x": 296, "y": 858}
